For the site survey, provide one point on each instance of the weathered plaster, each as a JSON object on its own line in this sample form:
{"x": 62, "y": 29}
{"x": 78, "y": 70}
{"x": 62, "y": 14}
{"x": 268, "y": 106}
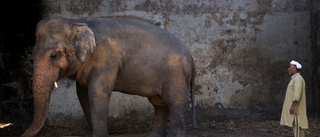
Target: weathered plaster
{"x": 241, "y": 49}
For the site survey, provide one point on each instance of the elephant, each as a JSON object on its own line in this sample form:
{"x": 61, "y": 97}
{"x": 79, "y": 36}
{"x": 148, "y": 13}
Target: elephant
{"x": 116, "y": 53}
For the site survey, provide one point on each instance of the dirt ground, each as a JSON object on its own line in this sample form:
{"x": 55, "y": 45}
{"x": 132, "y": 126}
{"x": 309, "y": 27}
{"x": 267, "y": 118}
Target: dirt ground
{"x": 135, "y": 128}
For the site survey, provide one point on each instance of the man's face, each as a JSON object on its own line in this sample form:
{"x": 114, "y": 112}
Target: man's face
{"x": 292, "y": 69}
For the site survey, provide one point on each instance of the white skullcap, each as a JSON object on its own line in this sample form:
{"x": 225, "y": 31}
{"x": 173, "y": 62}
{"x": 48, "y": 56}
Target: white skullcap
{"x": 299, "y": 66}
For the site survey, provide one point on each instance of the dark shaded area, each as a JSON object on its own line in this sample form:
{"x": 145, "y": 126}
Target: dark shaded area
{"x": 315, "y": 34}
{"x": 18, "y": 19}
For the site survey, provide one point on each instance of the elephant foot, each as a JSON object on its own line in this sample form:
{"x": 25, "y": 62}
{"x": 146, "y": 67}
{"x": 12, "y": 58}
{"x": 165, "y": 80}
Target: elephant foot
{"x": 157, "y": 133}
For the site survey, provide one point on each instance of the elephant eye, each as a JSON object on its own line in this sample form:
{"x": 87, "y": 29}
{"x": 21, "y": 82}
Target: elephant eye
{"x": 55, "y": 54}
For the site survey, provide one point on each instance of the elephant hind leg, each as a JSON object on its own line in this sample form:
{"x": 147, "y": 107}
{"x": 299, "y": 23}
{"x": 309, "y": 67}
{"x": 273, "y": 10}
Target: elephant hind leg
{"x": 161, "y": 117}
{"x": 83, "y": 97}
{"x": 175, "y": 96}
{"x": 175, "y": 122}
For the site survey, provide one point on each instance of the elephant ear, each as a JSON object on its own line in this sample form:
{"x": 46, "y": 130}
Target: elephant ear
{"x": 84, "y": 41}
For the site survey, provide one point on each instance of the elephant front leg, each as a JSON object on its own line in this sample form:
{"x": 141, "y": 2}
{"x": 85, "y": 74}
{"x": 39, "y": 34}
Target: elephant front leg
{"x": 83, "y": 97}
{"x": 99, "y": 99}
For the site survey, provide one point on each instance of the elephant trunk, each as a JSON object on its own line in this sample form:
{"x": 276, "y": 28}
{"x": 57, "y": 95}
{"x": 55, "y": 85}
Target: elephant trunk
{"x": 42, "y": 85}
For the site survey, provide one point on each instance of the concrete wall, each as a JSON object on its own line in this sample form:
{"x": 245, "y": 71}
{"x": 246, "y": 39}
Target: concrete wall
{"x": 315, "y": 40}
{"x": 241, "y": 48}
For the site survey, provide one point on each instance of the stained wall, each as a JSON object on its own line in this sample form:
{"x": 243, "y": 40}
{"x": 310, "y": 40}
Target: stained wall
{"x": 241, "y": 48}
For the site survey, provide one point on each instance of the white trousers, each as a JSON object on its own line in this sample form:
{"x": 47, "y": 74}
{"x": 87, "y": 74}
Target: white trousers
{"x": 297, "y": 130}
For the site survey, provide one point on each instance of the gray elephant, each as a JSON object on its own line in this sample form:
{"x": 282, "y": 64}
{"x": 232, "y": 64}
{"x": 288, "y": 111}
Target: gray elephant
{"x": 108, "y": 54}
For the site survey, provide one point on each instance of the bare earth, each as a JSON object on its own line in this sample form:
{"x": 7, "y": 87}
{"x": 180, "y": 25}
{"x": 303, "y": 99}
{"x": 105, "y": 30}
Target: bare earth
{"x": 135, "y": 128}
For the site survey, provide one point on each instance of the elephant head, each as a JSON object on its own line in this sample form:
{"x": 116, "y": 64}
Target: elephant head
{"x": 61, "y": 48}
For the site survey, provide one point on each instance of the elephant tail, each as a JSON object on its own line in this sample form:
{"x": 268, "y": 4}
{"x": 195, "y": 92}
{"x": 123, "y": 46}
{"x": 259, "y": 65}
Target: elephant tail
{"x": 193, "y": 109}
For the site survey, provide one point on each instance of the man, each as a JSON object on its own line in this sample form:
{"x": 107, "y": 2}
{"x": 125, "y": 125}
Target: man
{"x": 294, "y": 112}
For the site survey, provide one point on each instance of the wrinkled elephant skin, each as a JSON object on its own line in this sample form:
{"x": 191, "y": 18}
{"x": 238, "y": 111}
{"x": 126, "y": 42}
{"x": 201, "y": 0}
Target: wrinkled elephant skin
{"x": 113, "y": 54}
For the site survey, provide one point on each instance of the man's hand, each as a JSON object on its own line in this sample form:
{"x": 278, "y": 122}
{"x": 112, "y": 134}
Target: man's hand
{"x": 293, "y": 107}
{"x": 292, "y": 110}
